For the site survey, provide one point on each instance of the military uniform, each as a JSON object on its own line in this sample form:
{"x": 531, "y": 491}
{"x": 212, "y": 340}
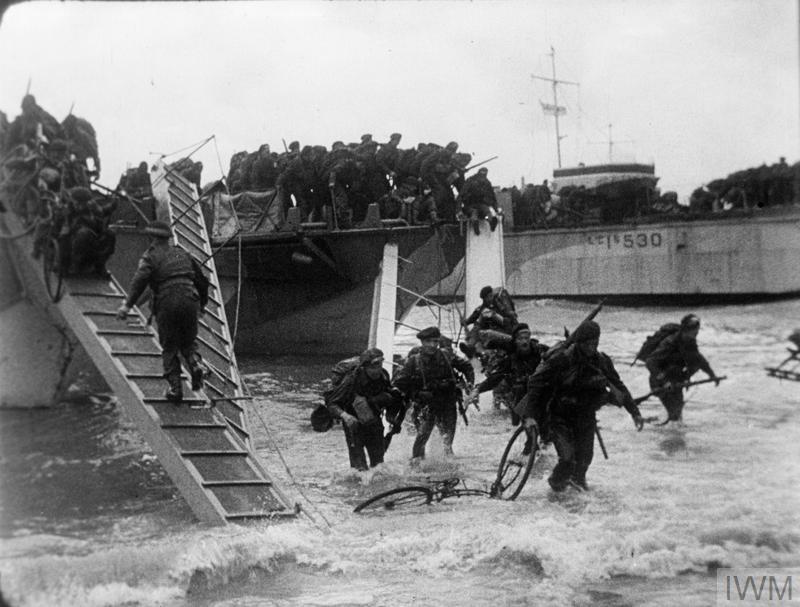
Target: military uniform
{"x": 179, "y": 295}
{"x": 496, "y": 315}
{"x": 674, "y": 361}
{"x": 563, "y": 395}
{"x": 479, "y": 200}
{"x": 513, "y": 368}
{"x": 428, "y": 378}
{"x": 364, "y": 395}
{"x": 91, "y": 243}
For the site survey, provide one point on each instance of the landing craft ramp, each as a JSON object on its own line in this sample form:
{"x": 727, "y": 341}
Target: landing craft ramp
{"x": 206, "y": 450}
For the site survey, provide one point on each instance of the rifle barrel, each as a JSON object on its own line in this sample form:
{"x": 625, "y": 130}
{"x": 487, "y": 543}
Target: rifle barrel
{"x": 682, "y": 385}
{"x": 477, "y": 164}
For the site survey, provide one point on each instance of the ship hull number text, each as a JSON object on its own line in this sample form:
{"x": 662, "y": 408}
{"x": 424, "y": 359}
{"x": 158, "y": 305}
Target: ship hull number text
{"x": 627, "y": 240}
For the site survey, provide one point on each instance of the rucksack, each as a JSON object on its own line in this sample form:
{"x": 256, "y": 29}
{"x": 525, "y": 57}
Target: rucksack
{"x": 501, "y": 298}
{"x": 341, "y": 369}
{"x": 652, "y": 342}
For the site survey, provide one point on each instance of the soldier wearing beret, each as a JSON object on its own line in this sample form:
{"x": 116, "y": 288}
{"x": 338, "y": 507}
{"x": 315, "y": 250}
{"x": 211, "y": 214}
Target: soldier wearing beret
{"x": 358, "y": 400}
{"x": 180, "y": 292}
{"x": 569, "y": 385}
{"x": 429, "y": 379}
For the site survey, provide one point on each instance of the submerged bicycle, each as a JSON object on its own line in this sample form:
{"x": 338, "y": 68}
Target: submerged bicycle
{"x": 418, "y": 495}
{"x": 512, "y": 474}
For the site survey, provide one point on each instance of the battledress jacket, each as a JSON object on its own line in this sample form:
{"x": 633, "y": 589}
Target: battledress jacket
{"x": 514, "y": 367}
{"x": 431, "y": 371}
{"x": 677, "y": 358}
{"x": 165, "y": 269}
{"x": 569, "y": 383}
{"x": 377, "y": 392}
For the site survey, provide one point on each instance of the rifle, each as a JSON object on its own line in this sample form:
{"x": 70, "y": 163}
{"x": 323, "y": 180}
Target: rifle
{"x": 568, "y": 336}
{"x": 285, "y": 147}
{"x": 477, "y": 164}
{"x": 600, "y": 441}
{"x": 397, "y": 425}
{"x": 686, "y": 384}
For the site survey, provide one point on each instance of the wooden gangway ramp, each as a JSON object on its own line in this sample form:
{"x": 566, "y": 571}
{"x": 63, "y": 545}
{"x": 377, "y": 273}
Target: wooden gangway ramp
{"x": 203, "y": 443}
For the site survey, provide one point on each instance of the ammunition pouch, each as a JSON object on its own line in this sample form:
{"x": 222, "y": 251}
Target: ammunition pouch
{"x": 441, "y": 385}
{"x": 424, "y": 396}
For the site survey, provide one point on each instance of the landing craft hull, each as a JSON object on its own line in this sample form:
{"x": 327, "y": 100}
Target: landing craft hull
{"x": 314, "y": 294}
{"x": 753, "y": 256}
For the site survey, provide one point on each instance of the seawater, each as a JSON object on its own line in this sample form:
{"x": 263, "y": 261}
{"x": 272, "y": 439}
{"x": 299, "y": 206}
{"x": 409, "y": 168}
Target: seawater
{"x": 89, "y": 518}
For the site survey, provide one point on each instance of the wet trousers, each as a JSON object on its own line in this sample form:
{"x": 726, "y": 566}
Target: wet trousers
{"x": 441, "y": 413}
{"x": 573, "y": 438}
{"x": 671, "y": 399}
{"x": 177, "y": 333}
{"x": 365, "y": 437}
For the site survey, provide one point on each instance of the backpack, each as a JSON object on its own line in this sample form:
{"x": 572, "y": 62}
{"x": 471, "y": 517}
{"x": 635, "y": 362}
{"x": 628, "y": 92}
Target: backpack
{"x": 321, "y": 418}
{"x": 652, "y": 342}
{"x": 501, "y": 298}
{"x": 341, "y": 369}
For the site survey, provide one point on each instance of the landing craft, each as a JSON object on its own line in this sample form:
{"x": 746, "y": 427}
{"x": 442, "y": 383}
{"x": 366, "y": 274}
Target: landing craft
{"x": 606, "y": 230}
{"x": 52, "y": 315}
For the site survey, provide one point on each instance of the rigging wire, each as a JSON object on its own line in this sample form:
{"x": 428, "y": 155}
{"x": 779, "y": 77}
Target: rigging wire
{"x": 286, "y": 466}
{"x": 171, "y": 170}
{"x": 223, "y": 176}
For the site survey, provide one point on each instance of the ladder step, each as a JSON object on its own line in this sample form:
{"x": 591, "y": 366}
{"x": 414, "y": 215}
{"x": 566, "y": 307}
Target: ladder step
{"x": 96, "y": 294}
{"x": 149, "y": 376}
{"x": 267, "y": 515}
{"x": 123, "y": 332}
{"x": 122, "y": 354}
{"x": 161, "y": 400}
{"x": 215, "y": 453}
{"x": 236, "y": 483}
{"x": 108, "y": 313}
{"x": 173, "y": 426}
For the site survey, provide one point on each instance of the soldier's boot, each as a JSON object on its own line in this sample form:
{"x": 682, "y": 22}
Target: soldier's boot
{"x": 578, "y": 481}
{"x": 197, "y": 377}
{"x": 174, "y": 393}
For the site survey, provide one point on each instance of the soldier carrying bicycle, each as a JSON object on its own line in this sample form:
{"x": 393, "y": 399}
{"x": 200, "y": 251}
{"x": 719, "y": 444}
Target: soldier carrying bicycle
{"x": 563, "y": 394}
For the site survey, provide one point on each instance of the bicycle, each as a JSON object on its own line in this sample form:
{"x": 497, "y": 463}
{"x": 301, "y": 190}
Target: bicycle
{"x": 52, "y": 268}
{"x": 414, "y": 496}
{"x": 516, "y": 464}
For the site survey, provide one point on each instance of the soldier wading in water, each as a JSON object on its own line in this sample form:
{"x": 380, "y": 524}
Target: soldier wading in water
{"x": 428, "y": 378}
{"x": 563, "y": 394}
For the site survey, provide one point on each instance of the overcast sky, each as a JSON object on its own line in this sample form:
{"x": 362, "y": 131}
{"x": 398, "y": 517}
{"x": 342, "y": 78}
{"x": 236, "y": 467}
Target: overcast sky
{"x": 701, "y": 89}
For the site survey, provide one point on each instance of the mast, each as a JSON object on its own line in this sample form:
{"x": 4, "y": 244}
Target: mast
{"x": 555, "y": 109}
{"x": 611, "y": 141}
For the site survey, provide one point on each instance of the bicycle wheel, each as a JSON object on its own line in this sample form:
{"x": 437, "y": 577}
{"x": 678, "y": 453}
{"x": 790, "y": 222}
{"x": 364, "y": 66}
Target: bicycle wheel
{"x": 397, "y": 499}
{"x": 515, "y": 465}
{"x": 51, "y": 268}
